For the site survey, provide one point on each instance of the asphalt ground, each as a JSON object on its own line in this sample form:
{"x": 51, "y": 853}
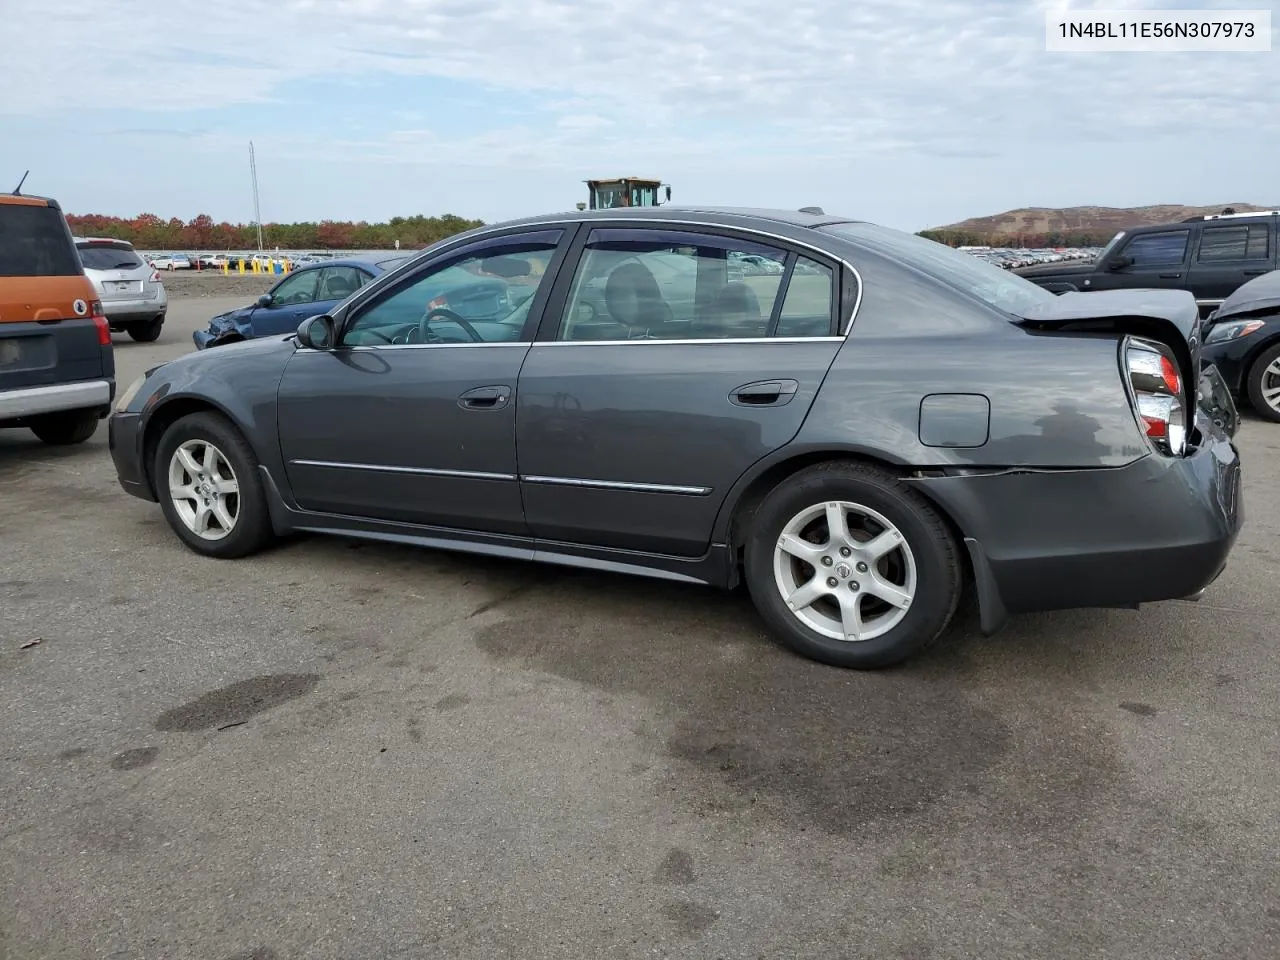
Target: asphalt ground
{"x": 347, "y": 750}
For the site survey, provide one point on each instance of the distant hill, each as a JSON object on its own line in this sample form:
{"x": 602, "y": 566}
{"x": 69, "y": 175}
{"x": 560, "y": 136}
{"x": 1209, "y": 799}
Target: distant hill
{"x": 1069, "y": 226}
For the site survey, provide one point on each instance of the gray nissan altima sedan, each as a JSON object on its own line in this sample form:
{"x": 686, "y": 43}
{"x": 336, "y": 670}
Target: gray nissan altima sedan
{"x": 860, "y": 431}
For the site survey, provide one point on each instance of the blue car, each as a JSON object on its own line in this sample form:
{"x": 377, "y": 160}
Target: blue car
{"x": 305, "y": 292}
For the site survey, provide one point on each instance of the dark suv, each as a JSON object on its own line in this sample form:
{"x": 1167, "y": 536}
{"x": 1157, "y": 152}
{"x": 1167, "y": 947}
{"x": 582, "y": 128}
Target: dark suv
{"x": 57, "y": 369}
{"x": 1209, "y": 255}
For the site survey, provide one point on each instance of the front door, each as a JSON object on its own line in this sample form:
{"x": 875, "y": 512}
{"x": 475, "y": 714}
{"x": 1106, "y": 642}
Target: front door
{"x": 1231, "y": 254}
{"x": 412, "y": 417}
{"x": 293, "y": 299}
{"x": 1159, "y": 260}
{"x": 669, "y": 363}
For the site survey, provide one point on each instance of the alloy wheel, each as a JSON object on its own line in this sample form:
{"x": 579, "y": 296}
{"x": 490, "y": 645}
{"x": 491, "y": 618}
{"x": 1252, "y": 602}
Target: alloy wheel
{"x": 1271, "y": 385}
{"x": 204, "y": 489}
{"x": 845, "y": 571}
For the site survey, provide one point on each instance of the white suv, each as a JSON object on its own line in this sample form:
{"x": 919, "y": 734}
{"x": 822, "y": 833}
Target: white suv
{"x": 132, "y": 295}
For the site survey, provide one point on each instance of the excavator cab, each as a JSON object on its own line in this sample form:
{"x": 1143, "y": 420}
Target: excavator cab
{"x": 625, "y": 192}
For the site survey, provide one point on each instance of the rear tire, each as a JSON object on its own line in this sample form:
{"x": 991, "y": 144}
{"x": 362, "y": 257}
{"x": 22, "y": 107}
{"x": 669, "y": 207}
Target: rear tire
{"x": 65, "y": 428}
{"x": 146, "y": 331}
{"x": 871, "y": 596}
{"x": 1263, "y": 384}
{"x": 206, "y": 478}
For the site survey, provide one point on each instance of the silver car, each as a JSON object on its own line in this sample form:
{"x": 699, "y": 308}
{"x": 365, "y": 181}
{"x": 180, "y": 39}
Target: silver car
{"x": 132, "y": 295}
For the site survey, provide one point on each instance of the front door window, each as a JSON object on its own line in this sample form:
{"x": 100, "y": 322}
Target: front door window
{"x": 297, "y": 288}
{"x": 481, "y": 298}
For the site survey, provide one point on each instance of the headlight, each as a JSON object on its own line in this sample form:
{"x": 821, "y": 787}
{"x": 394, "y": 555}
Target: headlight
{"x": 123, "y": 401}
{"x": 1234, "y": 330}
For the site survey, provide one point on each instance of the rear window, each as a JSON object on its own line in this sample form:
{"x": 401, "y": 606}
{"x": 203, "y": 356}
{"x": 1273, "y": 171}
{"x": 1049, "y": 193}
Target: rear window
{"x": 991, "y": 284}
{"x": 108, "y": 257}
{"x": 34, "y": 243}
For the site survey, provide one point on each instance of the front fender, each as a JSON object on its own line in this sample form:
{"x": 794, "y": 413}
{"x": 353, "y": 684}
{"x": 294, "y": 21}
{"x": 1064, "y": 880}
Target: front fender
{"x": 240, "y": 380}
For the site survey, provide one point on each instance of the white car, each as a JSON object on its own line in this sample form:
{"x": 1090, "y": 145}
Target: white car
{"x": 132, "y": 296}
{"x": 171, "y": 261}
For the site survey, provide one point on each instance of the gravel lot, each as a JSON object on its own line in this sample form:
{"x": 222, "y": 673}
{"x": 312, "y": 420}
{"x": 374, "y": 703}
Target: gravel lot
{"x": 336, "y": 750}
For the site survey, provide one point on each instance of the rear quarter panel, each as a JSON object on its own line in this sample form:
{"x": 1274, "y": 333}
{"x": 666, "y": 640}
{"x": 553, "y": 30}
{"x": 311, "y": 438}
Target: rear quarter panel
{"x": 1055, "y": 400}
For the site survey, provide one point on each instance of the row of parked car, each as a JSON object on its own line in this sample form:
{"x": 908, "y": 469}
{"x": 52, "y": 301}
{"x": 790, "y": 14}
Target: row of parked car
{"x": 860, "y": 433}
{"x": 216, "y": 261}
{"x": 1011, "y": 258}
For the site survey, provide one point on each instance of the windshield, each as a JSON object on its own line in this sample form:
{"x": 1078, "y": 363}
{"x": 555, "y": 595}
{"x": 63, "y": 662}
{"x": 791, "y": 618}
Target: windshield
{"x": 991, "y": 284}
{"x": 1111, "y": 245}
{"x": 108, "y": 257}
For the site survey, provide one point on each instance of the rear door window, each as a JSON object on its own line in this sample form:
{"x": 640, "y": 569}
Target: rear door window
{"x": 108, "y": 257}
{"x": 1236, "y": 242}
{"x": 34, "y": 243}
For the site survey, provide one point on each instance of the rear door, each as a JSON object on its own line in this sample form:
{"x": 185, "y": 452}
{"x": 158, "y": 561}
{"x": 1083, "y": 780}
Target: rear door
{"x": 1159, "y": 260}
{"x": 1228, "y": 255}
{"x": 47, "y": 332}
{"x": 665, "y": 366}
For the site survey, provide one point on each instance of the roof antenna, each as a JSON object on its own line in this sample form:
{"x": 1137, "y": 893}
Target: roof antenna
{"x": 18, "y": 188}
{"x": 814, "y": 210}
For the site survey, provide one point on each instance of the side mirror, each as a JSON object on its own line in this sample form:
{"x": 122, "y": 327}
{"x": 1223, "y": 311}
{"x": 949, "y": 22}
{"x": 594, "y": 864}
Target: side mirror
{"x": 318, "y": 332}
{"x": 1119, "y": 263}
{"x": 264, "y": 300}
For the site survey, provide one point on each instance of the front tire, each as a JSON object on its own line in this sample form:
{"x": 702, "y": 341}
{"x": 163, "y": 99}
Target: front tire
{"x": 1263, "y": 384}
{"x": 66, "y": 428}
{"x": 206, "y": 477}
{"x": 851, "y": 567}
{"x": 146, "y": 331}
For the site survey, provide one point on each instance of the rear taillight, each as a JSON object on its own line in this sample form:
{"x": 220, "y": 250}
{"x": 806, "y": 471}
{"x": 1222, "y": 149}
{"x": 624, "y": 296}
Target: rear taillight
{"x": 155, "y": 277}
{"x": 1157, "y": 391}
{"x": 100, "y": 321}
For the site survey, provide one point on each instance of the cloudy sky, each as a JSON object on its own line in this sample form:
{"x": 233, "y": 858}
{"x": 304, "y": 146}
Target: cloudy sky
{"x": 910, "y": 113}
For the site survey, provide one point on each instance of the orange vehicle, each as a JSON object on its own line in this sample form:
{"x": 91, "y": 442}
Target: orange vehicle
{"x": 57, "y": 367}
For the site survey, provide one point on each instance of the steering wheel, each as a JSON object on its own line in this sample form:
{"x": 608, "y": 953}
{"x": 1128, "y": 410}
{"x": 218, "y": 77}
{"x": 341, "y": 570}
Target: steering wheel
{"x": 443, "y": 313}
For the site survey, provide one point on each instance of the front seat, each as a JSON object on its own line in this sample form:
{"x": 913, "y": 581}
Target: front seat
{"x": 634, "y": 299}
{"x": 733, "y": 312}
{"x": 338, "y": 287}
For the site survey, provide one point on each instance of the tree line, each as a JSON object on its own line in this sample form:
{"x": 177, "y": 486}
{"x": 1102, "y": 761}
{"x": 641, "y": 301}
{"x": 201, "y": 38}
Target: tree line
{"x": 149, "y": 232}
{"x": 1052, "y": 238}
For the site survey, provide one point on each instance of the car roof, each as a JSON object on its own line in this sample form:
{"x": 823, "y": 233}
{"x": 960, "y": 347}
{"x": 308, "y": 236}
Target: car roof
{"x": 1208, "y": 219}
{"x": 112, "y": 240}
{"x": 25, "y": 200}
{"x": 355, "y": 261}
{"x": 710, "y": 213}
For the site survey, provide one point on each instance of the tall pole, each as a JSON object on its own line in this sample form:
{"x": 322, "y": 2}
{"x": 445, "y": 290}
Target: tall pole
{"x": 257, "y": 212}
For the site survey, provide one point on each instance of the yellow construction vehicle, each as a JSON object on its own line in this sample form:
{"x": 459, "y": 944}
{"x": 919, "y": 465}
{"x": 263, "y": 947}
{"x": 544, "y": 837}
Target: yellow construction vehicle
{"x": 624, "y": 192}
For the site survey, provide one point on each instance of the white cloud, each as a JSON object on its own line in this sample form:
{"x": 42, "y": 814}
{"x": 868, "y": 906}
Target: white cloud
{"x": 827, "y": 72}
{"x": 659, "y": 85}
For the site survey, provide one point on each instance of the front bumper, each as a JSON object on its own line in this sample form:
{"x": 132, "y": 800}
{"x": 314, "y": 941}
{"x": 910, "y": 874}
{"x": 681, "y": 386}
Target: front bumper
{"x": 124, "y": 440}
{"x": 54, "y": 398}
{"x": 1230, "y": 357}
{"x": 1157, "y": 529}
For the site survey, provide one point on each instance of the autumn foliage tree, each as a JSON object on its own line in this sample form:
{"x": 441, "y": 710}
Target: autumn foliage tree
{"x": 148, "y": 232}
